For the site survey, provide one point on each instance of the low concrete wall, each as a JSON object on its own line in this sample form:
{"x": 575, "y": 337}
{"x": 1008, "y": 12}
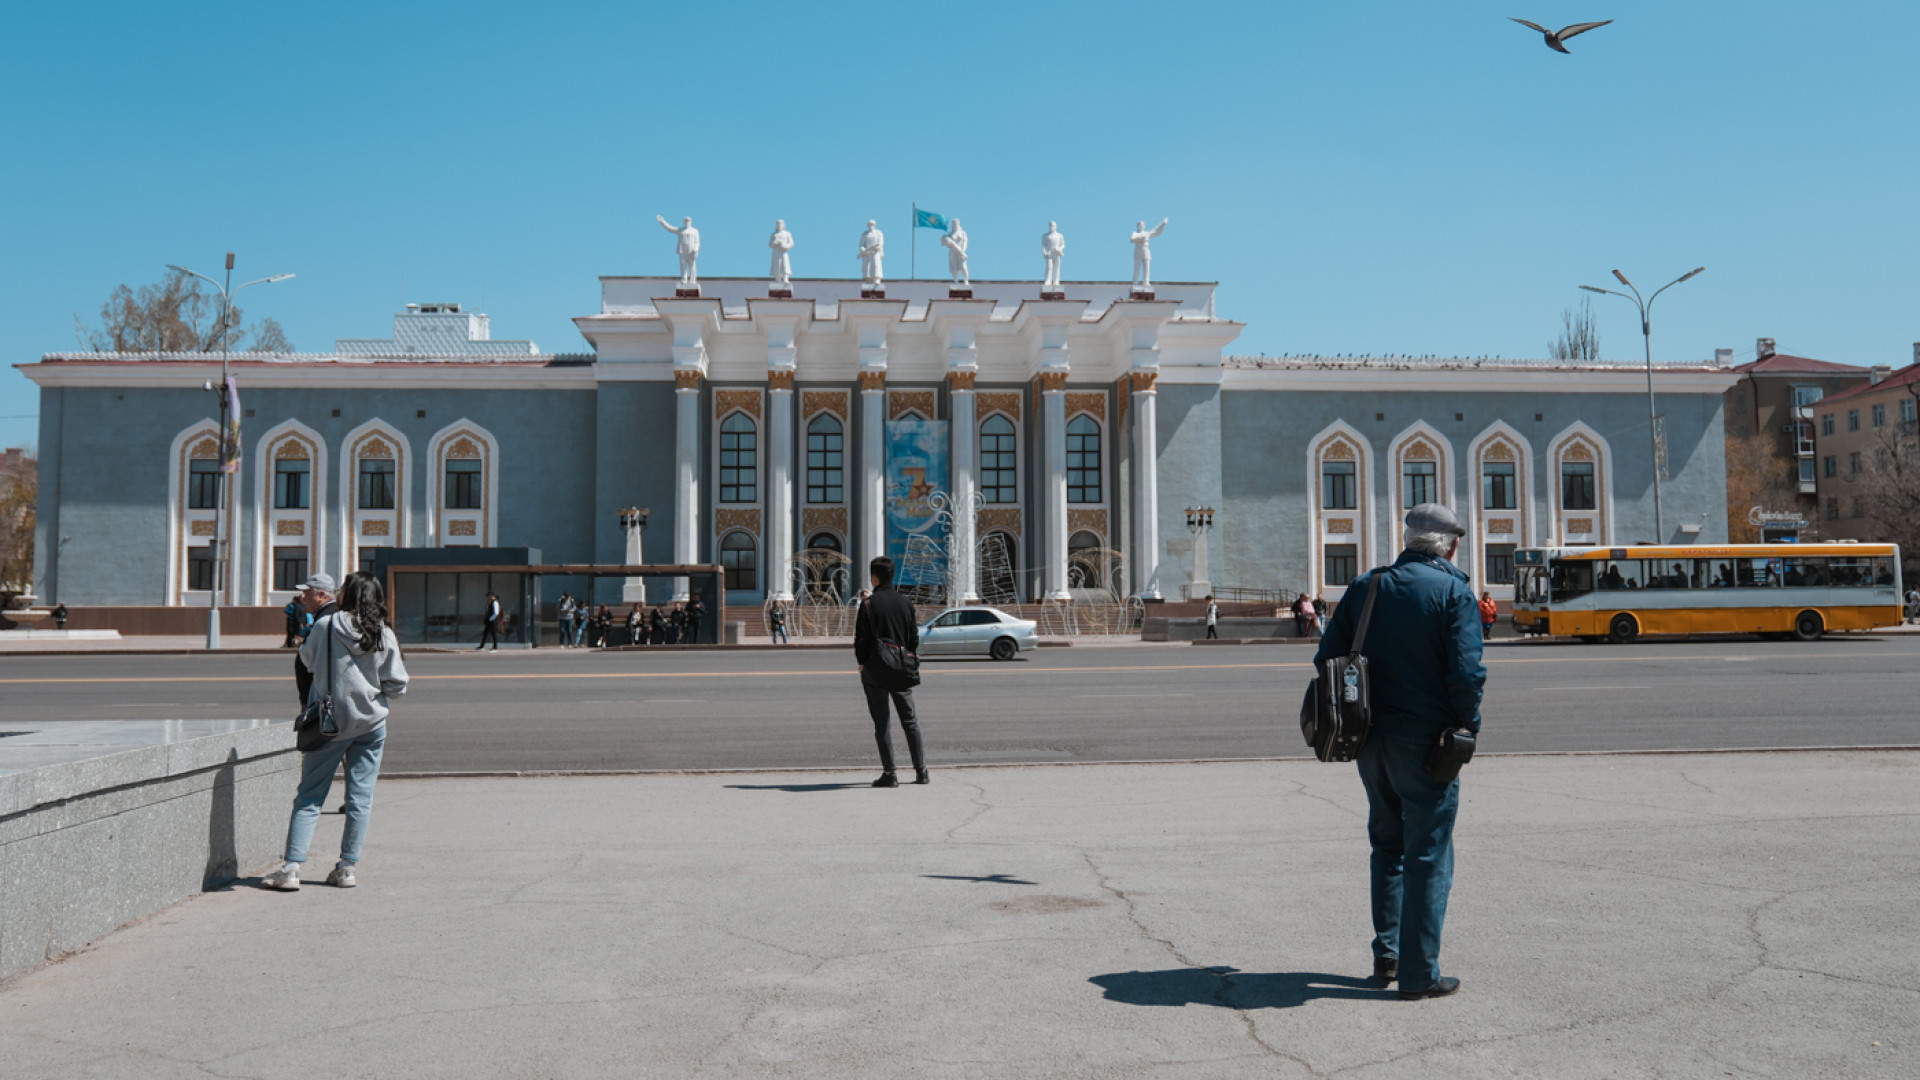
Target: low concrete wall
{"x": 91, "y": 841}
{"x": 1158, "y": 629}
{"x": 140, "y": 621}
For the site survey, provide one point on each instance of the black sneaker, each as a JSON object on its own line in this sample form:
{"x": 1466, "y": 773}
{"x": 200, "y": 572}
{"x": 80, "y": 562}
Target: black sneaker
{"x": 921, "y": 777}
{"x": 1441, "y": 988}
{"x": 1386, "y": 969}
{"x": 887, "y": 780}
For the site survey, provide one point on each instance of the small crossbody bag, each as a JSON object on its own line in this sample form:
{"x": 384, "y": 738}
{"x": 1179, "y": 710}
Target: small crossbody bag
{"x": 317, "y": 725}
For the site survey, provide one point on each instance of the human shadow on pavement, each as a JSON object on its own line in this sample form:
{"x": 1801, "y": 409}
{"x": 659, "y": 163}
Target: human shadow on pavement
{"x": 990, "y": 879}
{"x": 1231, "y": 988}
{"x": 794, "y": 787}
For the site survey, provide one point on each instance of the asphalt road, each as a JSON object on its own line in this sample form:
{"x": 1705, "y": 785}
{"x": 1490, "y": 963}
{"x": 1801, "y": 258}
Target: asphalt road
{"x": 568, "y": 710}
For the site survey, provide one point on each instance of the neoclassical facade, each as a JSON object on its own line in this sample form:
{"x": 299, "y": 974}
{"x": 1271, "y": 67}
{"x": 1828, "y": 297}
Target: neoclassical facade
{"x": 756, "y": 428}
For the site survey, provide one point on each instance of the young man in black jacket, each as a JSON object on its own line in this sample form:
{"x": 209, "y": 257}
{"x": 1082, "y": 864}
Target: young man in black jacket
{"x": 888, "y": 616}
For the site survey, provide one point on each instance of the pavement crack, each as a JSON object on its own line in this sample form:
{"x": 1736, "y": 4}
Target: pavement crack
{"x": 1300, "y": 788}
{"x": 980, "y": 804}
{"x": 1698, "y": 784}
{"x": 572, "y": 865}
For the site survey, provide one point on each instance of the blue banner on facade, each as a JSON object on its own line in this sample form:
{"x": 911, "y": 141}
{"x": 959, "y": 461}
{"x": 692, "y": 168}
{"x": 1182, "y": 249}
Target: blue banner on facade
{"x": 916, "y": 468}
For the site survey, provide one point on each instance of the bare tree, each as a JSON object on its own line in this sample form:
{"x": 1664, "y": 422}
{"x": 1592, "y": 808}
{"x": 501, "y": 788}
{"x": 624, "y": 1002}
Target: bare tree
{"x": 177, "y": 314}
{"x": 1758, "y": 474}
{"x": 19, "y": 490}
{"x": 1888, "y": 488}
{"x": 1579, "y": 338}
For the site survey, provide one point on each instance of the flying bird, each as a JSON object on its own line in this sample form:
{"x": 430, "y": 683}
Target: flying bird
{"x": 1556, "y": 37}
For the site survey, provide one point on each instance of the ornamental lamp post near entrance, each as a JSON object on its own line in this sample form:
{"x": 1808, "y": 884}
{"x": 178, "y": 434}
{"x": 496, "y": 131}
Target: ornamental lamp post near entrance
{"x": 633, "y": 520}
{"x": 1653, "y": 420}
{"x": 230, "y": 457}
{"x": 1199, "y": 523}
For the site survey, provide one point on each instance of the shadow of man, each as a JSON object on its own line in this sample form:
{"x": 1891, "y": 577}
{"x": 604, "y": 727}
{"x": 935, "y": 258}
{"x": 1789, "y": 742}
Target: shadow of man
{"x": 1231, "y": 988}
{"x": 223, "y": 854}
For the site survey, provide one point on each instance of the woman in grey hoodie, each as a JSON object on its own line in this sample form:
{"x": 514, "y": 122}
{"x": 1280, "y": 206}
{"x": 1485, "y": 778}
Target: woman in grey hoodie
{"x": 355, "y": 658}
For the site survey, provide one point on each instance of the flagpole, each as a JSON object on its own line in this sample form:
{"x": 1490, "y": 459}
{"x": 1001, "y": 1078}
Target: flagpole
{"x": 913, "y": 246}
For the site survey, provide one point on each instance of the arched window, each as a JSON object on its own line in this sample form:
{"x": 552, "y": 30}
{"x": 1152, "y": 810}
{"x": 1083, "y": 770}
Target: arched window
{"x": 998, "y": 460}
{"x": 825, "y": 461}
{"x": 463, "y": 477}
{"x": 1083, "y": 460}
{"x": 739, "y": 458}
{"x": 825, "y": 541}
{"x": 289, "y": 524}
{"x": 1084, "y": 569}
{"x": 737, "y": 558}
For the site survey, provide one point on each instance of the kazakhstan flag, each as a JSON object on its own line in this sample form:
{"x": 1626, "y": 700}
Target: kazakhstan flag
{"x": 927, "y": 219}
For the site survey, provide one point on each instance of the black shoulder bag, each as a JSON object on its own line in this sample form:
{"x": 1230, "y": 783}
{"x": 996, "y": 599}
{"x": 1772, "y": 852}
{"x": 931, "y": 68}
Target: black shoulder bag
{"x": 316, "y": 725}
{"x": 1338, "y": 709}
{"x": 899, "y": 666}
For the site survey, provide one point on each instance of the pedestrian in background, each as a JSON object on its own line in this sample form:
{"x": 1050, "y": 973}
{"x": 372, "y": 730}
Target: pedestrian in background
{"x": 567, "y": 608}
{"x": 695, "y": 612}
{"x": 656, "y": 628}
{"x": 296, "y": 623}
{"x": 777, "y": 624}
{"x": 1303, "y": 616}
{"x": 1320, "y": 614}
{"x": 1913, "y": 605}
{"x": 887, "y": 617}
{"x": 60, "y": 616}
{"x": 356, "y": 662}
{"x": 1213, "y": 618}
{"x": 1489, "y": 614}
{"x": 677, "y": 625}
{"x": 490, "y": 625}
{"x": 316, "y": 597}
{"x": 633, "y": 625}
{"x": 1425, "y": 677}
{"x": 602, "y": 625}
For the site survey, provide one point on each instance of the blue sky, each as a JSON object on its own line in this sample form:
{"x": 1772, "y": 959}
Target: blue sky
{"x": 1382, "y": 177}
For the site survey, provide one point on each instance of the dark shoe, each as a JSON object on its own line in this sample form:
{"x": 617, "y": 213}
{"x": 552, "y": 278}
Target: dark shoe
{"x": 921, "y": 777}
{"x": 1386, "y": 970}
{"x": 1441, "y": 988}
{"x": 887, "y": 780}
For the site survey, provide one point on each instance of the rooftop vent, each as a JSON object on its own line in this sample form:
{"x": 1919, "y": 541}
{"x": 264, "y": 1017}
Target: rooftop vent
{"x": 1723, "y": 358}
{"x": 435, "y": 309}
{"x": 1916, "y": 352}
{"x": 1880, "y": 371}
{"x": 1763, "y": 348}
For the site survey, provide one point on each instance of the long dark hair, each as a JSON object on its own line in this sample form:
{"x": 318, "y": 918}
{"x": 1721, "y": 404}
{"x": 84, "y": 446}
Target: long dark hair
{"x": 363, "y": 598}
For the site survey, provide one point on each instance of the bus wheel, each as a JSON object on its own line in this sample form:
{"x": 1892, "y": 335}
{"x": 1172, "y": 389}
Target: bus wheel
{"x": 1623, "y": 629}
{"x": 1807, "y": 626}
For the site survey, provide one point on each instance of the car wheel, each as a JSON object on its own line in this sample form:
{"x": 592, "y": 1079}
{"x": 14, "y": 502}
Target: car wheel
{"x": 1004, "y": 648}
{"x": 1808, "y": 626}
{"x": 1623, "y": 629}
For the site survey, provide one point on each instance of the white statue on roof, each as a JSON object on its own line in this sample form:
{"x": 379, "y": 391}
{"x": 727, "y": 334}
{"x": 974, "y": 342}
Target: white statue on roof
{"x": 955, "y": 241}
{"x": 873, "y": 245}
{"x": 1053, "y": 247}
{"x": 688, "y": 248}
{"x": 781, "y": 243}
{"x": 1143, "y": 255}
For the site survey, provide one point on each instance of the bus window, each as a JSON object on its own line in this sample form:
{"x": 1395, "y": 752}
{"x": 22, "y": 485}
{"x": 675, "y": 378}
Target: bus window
{"x": 1531, "y": 585}
{"x": 1804, "y": 573}
{"x": 1755, "y": 573}
{"x": 1571, "y": 578}
{"x": 1883, "y": 571}
{"x": 1675, "y": 574}
{"x": 1849, "y": 572}
{"x": 1612, "y": 574}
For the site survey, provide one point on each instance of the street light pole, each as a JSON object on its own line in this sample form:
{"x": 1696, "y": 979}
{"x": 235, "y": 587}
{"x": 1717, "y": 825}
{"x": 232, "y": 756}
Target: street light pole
{"x": 1653, "y": 420}
{"x": 222, "y": 489}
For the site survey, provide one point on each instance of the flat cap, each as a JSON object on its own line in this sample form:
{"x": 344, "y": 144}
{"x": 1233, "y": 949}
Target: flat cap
{"x": 1434, "y": 518}
{"x": 320, "y": 583}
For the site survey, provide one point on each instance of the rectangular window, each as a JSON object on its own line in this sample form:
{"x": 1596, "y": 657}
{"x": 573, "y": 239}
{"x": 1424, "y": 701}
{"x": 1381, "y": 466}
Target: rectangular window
{"x": 1337, "y": 486}
{"x": 825, "y": 465}
{"x": 1500, "y": 564}
{"x": 1830, "y": 466}
{"x": 1804, "y": 396}
{"x": 1879, "y": 416}
{"x": 1083, "y": 461}
{"x": 1576, "y": 485}
{"x": 1343, "y": 563}
{"x": 1419, "y": 483}
{"x": 200, "y": 568}
{"x": 1853, "y": 507}
{"x": 376, "y": 483}
{"x": 292, "y": 484}
{"x": 1853, "y": 462}
{"x": 1853, "y": 419}
{"x": 366, "y": 559}
{"x": 1906, "y": 410}
{"x": 997, "y": 460}
{"x": 1498, "y": 487}
{"x": 289, "y": 567}
{"x": 203, "y": 484}
{"x": 739, "y": 460}
{"x": 1833, "y": 508}
{"x": 463, "y": 484}
{"x": 1826, "y": 424}
{"x": 1806, "y": 470}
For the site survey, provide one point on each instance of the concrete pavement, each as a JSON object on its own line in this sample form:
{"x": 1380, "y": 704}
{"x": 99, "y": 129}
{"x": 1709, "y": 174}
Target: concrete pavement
{"x": 1695, "y": 915}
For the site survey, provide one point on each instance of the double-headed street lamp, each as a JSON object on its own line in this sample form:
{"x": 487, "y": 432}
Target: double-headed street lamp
{"x": 633, "y": 521}
{"x": 221, "y": 489}
{"x": 1199, "y": 523}
{"x": 1646, "y": 335}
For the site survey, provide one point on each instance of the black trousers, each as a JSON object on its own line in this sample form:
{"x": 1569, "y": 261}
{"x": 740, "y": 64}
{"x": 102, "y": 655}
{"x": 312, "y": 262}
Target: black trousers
{"x": 1213, "y": 631}
{"x": 489, "y": 631}
{"x": 909, "y": 723}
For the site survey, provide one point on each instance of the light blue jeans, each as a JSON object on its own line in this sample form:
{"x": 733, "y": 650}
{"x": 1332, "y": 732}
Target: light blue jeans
{"x": 362, "y": 757}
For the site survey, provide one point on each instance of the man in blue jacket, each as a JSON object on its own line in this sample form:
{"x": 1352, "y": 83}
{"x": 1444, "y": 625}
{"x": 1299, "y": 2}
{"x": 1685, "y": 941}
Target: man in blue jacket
{"x": 1425, "y": 676}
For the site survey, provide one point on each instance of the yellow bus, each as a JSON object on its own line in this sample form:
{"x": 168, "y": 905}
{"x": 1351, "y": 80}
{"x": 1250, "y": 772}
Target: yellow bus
{"x": 1774, "y": 590}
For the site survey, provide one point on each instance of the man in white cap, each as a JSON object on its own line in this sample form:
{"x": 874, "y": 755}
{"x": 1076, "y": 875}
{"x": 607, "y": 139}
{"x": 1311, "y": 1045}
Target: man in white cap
{"x": 1424, "y": 678}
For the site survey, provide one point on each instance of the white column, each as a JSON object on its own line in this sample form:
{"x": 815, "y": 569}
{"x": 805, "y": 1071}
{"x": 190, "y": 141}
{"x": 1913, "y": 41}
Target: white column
{"x": 1053, "y": 407}
{"x": 965, "y": 483}
{"x": 1146, "y": 491}
{"x": 686, "y": 486}
{"x": 873, "y": 483}
{"x": 777, "y": 537}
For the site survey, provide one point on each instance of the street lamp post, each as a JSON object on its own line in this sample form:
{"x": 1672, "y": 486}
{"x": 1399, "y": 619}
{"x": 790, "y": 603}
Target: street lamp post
{"x": 1646, "y": 336}
{"x": 222, "y": 489}
{"x": 1199, "y": 523}
{"x": 633, "y": 520}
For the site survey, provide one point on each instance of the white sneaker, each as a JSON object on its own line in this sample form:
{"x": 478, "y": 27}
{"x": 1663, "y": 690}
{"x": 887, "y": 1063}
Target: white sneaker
{"x": 283, "y": 879}
{"x": 342, "y": 876}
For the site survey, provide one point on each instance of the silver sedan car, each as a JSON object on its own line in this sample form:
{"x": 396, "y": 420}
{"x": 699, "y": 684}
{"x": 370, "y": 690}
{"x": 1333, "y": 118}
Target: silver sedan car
{"x": 978, "y": 631}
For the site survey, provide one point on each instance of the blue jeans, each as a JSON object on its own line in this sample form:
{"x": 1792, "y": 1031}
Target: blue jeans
{"x": 780, "y": 633}
{"x": 362, "y": 756}
{"x": 1410, "y": 822}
